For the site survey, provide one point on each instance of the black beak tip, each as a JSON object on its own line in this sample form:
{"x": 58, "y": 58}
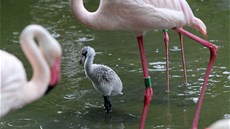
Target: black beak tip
{"x": 49, "y": 89}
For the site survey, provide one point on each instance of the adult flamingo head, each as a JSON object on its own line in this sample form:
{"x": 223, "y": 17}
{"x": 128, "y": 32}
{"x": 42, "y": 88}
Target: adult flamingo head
{"x": 52, "y": 53}
{"x": 44, "y": 55}
{"x": 199, "y": 25}
{"x": 50, "y": 49}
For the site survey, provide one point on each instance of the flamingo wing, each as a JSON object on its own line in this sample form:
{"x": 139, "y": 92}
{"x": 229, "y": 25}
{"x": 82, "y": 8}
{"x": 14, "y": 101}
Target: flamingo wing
{"x": 138, "y": 15}
{"x": 13, "y": 77}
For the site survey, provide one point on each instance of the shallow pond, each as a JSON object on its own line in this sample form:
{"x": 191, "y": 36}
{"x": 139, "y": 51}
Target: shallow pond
{"x": 74, "y": 104}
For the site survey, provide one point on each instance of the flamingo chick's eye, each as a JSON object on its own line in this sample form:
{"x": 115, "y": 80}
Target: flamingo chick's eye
{"x": 84, "y": 52}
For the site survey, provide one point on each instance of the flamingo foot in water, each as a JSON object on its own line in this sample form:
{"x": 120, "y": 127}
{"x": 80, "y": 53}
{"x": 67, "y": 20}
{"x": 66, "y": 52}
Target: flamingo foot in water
{"x": 107, "y": 104}
{"x": 147, "y": 100}
{"x": 213, "y": 53}
{"x": 166, "y": 41}
{"x": 183, "y": 58}
{"x": 148, "y": 91}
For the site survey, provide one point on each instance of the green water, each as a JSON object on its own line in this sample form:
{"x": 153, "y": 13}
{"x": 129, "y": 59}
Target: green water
{"x": 74, "y": 104}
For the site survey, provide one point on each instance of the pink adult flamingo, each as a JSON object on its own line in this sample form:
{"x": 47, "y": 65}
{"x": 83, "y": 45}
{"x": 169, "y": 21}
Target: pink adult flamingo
{"x": 139, "y": 16}
{"x": 220, "y": 124}
{"x": 45, "y": 59}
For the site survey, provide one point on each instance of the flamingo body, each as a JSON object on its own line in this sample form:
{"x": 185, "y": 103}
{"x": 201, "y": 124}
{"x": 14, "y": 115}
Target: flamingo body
{"x": 105, "y": 80}
{"x": 11, "y": 83}
{"x": 220, "y": 124}
{"x": 138, "y": 15}
{"x": 16, "y": 90}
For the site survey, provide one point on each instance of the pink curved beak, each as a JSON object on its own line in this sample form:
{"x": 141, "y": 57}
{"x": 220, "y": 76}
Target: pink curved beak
{"x": 55, "y": 73}
{"x": 204, "y": 33}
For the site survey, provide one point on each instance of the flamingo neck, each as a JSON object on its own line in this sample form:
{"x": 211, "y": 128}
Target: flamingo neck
{"x": 89, "y": 66}
{"x": 37, "y": 86}
{"x": 84, "y": 16}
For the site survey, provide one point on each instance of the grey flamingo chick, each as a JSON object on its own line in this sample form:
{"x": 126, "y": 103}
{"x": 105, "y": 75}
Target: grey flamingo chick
{"x": 104, "y": 79}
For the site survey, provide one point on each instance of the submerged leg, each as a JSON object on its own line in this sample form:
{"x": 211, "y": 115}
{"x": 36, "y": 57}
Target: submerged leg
{"x": 166, "y": 40}
{"x": 213, "y": 53}
{"x": 183, "y": 59}
{"x": 107, "y": 104}
{"x": 148, "y": 90}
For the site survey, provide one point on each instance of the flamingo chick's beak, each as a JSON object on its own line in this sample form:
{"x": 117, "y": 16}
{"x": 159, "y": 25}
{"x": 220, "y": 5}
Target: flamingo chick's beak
{"x": 55, "y": 73}
{"x": 82, "y": 60}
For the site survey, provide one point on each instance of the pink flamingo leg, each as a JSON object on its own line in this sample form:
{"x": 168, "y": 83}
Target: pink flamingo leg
{"x": 166, "y": 40}
{"x": 183, "y": 59}
{"x": 148, "y": 90}
{"x": 213, "y": 53}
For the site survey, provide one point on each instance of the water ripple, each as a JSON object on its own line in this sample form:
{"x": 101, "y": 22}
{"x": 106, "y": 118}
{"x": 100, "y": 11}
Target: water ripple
{"x": 19, "y": 123}
{"x": 175, "y": 49}
{"x": 93, "y": 105}
{"x": 85, "y": 38}
{"x": 77, "y": 95}
{"x": 226, "y": 72}
{"x": 158, "y": 66}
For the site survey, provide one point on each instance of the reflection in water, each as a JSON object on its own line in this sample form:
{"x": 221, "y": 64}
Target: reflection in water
{"x": 169, "y": 114}
{"x": 114, "y": 122}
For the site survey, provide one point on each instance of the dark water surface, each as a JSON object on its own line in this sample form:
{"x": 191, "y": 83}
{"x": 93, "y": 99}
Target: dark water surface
{"x": 74, "y": 104}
